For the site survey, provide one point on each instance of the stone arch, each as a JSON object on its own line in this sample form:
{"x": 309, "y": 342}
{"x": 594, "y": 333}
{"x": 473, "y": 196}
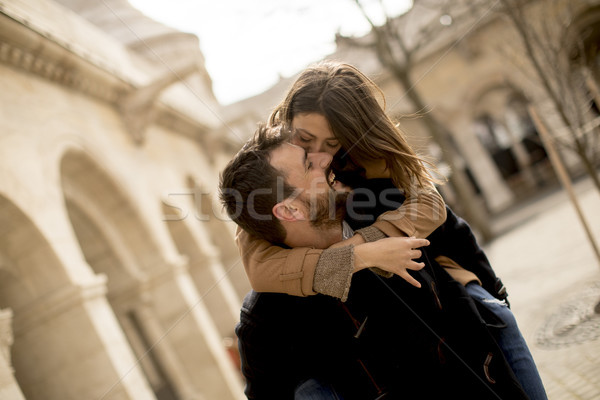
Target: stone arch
{"x": 86, "y": 184}
{"x": 26, "y": 259}
{"x": 124, "y": 280}
{"x": 112, "y": 239}
{"x": 53, "y": 328}
{"x": 154, "y": 300}
{"x": 501, "y": 123}
{"x": 207, "y": 212}
{"x": 29, "y": 270}
{"x": 584, "y": 37}
{"x": 495, "y": 80}
{"x": 584, "y": 54}
{"x": 200, "y": 235}
{"x": 205, "y": 269}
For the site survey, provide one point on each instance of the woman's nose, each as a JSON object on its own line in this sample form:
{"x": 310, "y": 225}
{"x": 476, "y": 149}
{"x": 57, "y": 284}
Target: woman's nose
{"x": 313, "y": 148}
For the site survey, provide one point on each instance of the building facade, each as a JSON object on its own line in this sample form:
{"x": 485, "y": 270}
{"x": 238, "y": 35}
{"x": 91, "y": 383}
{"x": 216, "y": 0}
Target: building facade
{"x": 119, "y": 278}
{"x": 476, "y": 81}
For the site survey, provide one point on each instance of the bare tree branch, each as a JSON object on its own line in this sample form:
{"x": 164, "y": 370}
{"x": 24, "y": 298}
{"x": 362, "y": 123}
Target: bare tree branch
{"x": 396, "y": 54}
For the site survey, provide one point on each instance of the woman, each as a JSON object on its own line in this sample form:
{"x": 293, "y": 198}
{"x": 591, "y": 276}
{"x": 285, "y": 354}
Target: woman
{"x": 333, "y": 108}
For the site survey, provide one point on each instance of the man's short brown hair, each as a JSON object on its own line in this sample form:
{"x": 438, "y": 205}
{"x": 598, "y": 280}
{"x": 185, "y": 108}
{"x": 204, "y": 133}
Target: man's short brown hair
{"x": 250, "y": 186}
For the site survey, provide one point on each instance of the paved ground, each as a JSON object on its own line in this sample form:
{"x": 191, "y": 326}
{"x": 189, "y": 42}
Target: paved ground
{"x": 553, "y": 278}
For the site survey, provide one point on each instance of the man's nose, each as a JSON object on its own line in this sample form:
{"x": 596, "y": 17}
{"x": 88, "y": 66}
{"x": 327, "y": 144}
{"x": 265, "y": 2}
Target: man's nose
{"x": 321, "y": 159}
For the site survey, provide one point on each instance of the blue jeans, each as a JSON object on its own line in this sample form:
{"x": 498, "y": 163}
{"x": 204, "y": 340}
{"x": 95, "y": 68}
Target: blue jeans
{"x": 512, "y": 343}
{"x": 313, "y": 389}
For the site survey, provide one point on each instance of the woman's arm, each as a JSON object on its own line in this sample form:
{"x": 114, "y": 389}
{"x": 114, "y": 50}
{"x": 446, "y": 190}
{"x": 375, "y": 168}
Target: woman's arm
{"x": 422, "y": 212}
{"x": 272, "y": 268}
{"x": 306, "y": 271}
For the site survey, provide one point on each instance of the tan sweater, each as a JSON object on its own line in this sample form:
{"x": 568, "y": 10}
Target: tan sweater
{"x": 306, "y": 271}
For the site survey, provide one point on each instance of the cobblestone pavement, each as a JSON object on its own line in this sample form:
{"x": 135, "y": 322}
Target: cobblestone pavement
{"x": 553, "y": 279}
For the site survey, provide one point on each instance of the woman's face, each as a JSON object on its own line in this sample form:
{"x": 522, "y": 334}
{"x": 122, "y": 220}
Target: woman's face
{"x": 313, "y": 134}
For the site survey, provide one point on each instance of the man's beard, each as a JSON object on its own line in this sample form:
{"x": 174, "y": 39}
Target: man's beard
{"x": 327, "y": 210}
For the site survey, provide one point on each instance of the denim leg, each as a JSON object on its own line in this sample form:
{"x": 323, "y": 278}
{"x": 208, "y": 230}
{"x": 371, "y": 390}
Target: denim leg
{"x": 313, "y": 389}
{"x": 512, "y": 343}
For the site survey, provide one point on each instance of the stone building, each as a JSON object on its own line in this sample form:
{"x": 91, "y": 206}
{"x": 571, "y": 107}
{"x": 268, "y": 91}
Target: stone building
{"x": 119, "y": 279}
{"x": 476, "y": 84}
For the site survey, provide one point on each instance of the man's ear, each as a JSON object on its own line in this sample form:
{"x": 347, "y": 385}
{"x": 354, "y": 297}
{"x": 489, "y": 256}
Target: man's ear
{"x": 287, "y": 210}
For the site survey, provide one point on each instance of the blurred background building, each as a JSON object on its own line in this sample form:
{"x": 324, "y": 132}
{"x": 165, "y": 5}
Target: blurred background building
{"x": 120, "y": 280}
{"x": 474, "y": 81}
{"x": 119, "y": 276}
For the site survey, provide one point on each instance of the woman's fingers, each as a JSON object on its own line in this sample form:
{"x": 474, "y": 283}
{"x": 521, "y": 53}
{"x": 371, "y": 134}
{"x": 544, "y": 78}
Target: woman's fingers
{"x": 416, "y": 243}
{"x": 415, "y": 254}
{"x": 406, "y": 276}
{"x": 415, "y": 266}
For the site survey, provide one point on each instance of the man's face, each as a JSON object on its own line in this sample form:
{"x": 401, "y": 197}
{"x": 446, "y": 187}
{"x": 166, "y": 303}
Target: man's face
{"x": 308, "y": 173}
{"x": 305, "y": 171}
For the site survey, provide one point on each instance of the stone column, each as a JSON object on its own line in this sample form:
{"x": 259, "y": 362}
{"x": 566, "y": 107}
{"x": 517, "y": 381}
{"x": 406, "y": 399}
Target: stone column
{"x": 496, "y": 193}
{"x": 9, "y": 387}
{"x": 198, "y": 252}
{"x": 518, "y": 149}
{"x": 71, "y": 347}
{"x": 192, "y": 332}
{"x": 159, "y": 344}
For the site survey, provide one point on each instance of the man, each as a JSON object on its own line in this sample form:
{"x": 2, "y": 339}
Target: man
{"x": 389, "y": 340}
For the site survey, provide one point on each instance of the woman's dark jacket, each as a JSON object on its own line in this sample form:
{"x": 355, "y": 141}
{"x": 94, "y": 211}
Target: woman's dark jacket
{"x": 453, "y": 239}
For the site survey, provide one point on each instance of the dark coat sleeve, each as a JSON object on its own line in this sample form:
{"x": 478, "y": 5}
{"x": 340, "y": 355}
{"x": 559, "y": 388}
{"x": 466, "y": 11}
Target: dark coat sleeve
{"x": 265, "y": 369}
{"x": 284, "y": 340}
{"x": 455, "y": 239}
{"x": 269, "y": 365}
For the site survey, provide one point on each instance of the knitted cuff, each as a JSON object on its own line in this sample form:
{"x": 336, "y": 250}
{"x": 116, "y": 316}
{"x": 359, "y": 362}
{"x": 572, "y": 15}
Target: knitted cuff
{"x": 382, "y": 272}
{"x": 334, "y": 272}
{"x": 371, "y": 234}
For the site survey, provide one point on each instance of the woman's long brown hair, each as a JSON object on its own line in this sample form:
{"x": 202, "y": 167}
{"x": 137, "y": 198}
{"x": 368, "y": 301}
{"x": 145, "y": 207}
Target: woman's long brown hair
{"x": 348, "y": 100}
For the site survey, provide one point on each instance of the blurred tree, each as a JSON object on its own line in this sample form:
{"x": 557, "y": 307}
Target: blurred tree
{"x": 397, "y": 52}
{"x": 562, "y": 44}
{"x": 560, "y": 39}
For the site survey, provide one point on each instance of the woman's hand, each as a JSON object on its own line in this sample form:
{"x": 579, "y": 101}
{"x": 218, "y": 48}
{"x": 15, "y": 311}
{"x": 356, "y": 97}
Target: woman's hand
{"x": 394, "y": 254}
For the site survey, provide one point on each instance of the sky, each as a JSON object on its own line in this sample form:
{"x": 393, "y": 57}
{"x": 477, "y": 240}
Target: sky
{"x": 249, "y": 44}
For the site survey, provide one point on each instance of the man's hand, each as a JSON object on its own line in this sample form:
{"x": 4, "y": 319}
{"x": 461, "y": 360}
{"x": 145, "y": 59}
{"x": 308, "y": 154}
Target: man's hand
{"x": 394, "y": 254}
